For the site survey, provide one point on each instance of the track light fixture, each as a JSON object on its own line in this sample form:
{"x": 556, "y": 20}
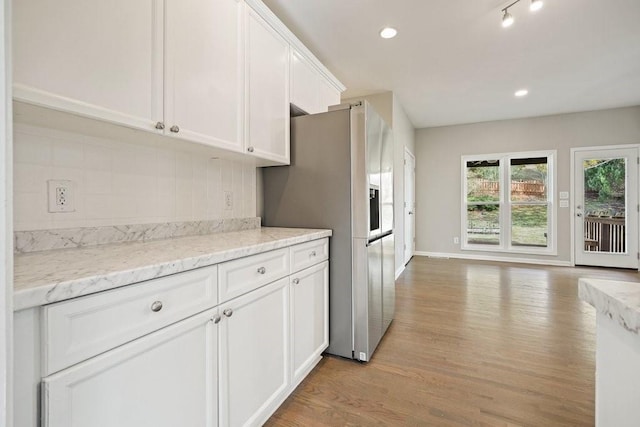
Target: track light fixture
{"x": 507, "y": 18}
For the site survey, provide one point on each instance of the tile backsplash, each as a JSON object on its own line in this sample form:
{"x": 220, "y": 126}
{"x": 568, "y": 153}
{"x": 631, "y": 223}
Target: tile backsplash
{"x": 116, "y": 182}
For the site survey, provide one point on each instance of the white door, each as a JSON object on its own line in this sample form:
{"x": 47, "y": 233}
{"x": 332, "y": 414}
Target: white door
{"x": 606, "y": 207}
{"x": 267, "y": 94}
{"x": 254, "y": 355}
{"x": 167, "y": 378}
{"x": 409, "y": 206}
{"x": 99, "y": 59}
{"x": 203, "y": 78}
{"x": 309, "y": 317}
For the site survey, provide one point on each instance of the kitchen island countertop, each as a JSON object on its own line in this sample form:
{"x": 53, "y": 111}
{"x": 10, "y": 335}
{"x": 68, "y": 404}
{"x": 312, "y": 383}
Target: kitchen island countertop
{"x": 49, "y": 276}
{"x": 620, "y": 301}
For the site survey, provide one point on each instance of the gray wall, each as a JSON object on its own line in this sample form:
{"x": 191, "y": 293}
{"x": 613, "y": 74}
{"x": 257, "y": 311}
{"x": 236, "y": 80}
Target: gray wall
{"x": 438, "y": 176}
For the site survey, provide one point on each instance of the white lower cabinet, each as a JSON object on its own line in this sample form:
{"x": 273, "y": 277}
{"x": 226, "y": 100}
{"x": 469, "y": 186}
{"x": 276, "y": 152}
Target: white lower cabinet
{"x": 254, "y": 355}
{"x": 181, "y": 356}
{"x": 167, "y": 378}
{"x": 309, "y": 320}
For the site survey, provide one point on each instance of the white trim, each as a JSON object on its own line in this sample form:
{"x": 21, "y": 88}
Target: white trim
{"x": 404, "y": 215}
{"x": 6, "y": 219}
{"x": 261, "y": 9}
{"x": 399, "y": 271}
{"x": 474, "y": 257}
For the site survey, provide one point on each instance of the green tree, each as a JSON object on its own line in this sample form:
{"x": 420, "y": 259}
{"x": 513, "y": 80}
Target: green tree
{"x": 607, "y": 177}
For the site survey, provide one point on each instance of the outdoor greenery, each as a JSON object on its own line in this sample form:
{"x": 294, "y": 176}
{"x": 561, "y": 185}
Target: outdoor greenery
{"x": 528, "y": 222}
{"x": 607, "y": 178}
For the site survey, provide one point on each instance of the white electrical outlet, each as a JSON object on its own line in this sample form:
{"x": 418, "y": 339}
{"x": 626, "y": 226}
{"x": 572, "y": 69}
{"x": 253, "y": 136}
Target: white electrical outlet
{"x": 61, "y": 197}
{"x": 228, "y": 200}
{"x": 456, "y": 240}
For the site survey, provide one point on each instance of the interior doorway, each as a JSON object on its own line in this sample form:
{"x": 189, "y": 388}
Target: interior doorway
{"x": 409, "y": 205}
{"x": 606, "y": 207}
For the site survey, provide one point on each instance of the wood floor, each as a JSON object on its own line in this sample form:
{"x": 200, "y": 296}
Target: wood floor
{"x": 472, "y": 344}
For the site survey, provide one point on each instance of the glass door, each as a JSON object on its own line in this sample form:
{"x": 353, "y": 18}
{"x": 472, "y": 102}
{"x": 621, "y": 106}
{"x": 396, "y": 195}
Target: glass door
{"x": 606, "y": 208}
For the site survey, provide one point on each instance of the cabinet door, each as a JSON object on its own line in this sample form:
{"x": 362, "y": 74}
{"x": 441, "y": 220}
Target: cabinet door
{"x": 267, "y": 94}
{"x": 167, "y": 378}
{"x": 254, "y": 355}
{"x": 203, "y": 80}
{"x": 305, "y": 84}
{"x": 97, "y": 59}
{"x": 310, "y": 320}
{"x": 329, "y": 95}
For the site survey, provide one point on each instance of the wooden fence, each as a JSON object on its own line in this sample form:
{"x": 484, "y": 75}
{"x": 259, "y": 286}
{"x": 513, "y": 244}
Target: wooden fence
{"x": 604, "y": 234}
{"x": 486, "y": 187}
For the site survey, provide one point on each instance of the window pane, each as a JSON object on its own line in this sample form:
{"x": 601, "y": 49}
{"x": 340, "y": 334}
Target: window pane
{"x": 529, "y": 179}
{"x": 529, "y": 225}
{"x": 483, "y": 181}
{"x": 483, "y": 224}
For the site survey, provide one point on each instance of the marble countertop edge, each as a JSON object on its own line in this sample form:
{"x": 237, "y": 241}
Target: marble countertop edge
{"x": 618, "y": 300}
{"x": 43, "y": 287}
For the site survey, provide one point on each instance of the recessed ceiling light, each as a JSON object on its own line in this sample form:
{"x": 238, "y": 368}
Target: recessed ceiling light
{"x": 388, "y": 33}
{"x": 522, "y": 92}
{"x": 536, "y": 5}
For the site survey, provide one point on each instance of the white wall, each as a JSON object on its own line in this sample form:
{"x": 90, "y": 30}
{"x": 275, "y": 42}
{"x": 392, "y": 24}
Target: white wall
{"x": 120, "y": 182}
{"x": 6, "y": 233}
{"x": 438, "y": 176}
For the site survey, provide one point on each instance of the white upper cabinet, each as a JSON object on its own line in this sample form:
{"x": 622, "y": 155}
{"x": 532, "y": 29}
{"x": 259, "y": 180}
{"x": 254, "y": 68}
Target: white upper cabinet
{"x": 305, "y": 85}
{"x": 214, "y": 72}
{"x": 203, "y": 71}
{"x": 267, "y": 94}
{"x": 97, "y": 59}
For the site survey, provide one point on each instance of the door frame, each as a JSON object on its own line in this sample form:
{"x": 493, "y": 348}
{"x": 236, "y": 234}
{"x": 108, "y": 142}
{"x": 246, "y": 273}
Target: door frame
{"x": 405, "y": 215}
{"x": 572, "y": 198}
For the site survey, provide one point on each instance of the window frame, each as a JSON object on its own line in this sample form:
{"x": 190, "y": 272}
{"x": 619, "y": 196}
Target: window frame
{"x": 505, "y": 204}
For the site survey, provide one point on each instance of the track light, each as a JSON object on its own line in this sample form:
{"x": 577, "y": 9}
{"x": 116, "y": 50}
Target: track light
{"x": 535, "y": 5}
{"x": 507, "y": 19}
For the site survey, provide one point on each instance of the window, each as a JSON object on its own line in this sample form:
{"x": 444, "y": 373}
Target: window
{"x": 508, "y": 202}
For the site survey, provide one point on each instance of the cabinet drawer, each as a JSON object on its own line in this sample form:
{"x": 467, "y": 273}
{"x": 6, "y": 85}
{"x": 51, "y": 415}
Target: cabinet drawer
{"x": 242, "y": 275}
{"x": 310, "y": 253}
{"x": 78, "y": 329}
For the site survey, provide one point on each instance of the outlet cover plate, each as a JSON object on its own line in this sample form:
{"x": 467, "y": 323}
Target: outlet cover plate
{"x": 61, "y": 195}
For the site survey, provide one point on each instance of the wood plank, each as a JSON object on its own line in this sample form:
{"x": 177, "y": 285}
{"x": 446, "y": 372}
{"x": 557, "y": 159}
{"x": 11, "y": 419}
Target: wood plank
{"x": 473, "y": 344}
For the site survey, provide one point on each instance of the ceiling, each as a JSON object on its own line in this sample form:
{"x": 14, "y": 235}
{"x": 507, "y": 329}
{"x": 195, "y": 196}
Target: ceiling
{"x": 452, "y": 62}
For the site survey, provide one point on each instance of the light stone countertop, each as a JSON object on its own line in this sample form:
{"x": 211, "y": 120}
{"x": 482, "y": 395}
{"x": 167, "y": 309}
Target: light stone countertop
{"x": 620, "y": 301}
{"x": 45, "y": 277}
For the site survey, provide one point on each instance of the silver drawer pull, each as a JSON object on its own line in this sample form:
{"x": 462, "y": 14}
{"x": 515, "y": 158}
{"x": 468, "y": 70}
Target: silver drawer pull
{"x": 228, "y": 312}
{"x": 262, "y": 270}
{"x": 156, "y": 306}
{"x": 296, "y": 281}
{"x": 313, "y": 253}
{"x": 216, "y": 319}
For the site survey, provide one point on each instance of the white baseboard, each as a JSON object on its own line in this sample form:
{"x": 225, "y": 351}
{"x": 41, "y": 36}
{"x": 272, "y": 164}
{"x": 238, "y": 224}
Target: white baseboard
{"x": 399, "y": 271}
{"x": 482, "y": 257}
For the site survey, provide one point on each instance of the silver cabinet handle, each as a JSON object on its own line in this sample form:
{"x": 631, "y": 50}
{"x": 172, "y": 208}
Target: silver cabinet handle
{"x": 174, "y": 129}
{"x": 228, "y": 312}
{"x": 216, "y": 319}
{"x": 296, "y": 281}
{"x": 156, "y": 306}
{"x": 159, "y": 125}
{"x": 313, "y": 253}
{"x": 262, "y": 270}
{"x": 250, "y": 149}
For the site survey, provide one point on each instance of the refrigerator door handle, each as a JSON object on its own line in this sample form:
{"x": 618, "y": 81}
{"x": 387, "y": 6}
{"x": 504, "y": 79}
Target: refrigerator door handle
{"x": 378, "y": 237}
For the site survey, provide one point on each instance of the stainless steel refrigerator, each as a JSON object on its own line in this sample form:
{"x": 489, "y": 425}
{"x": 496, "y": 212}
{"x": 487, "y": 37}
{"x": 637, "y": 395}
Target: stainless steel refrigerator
{"x": 341, "y": 177}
